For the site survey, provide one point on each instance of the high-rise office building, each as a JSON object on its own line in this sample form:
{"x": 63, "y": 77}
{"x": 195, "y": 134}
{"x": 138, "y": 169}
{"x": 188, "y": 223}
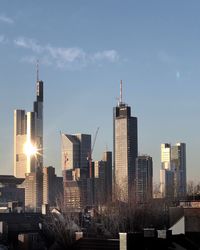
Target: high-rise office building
{"x": 144, "y": 179}
{"x": 107, "y": 159}
{"x": 52, "y": 186}
{"x": 28, "y": 137}
{"x": 75, "y": 152}
{"x": 166, "y": 173}
{"x": 178, "y": 165}
{"x": 125, "y": 151}
{"x": 33, "y": 185}
{"x": 28, "y": 148}
{"x": 173, "y": 171}
{"x": 75, "y": 165}
{"x": 166, "y": 156}
{"x": 103, "y": 179}
{"x": 20, "y": 158}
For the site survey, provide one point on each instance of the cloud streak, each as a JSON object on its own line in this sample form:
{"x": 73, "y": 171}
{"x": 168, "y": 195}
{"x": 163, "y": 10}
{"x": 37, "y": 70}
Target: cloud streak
{"x": 63, "y": 57}
{"x": 6, "y": 19}
{"x": 2, "y": 38}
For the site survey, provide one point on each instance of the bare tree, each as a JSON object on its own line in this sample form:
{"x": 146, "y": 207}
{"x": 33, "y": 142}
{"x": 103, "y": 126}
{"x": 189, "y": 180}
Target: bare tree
{"x": 59, "y": 227}
{"x": 118, "y": 217}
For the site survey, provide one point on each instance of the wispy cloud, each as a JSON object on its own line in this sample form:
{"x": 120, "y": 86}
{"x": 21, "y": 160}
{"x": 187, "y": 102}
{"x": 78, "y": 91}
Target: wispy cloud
{"x": 110, "y": 55}
{"x": 28, "y": 44}
{"x": 2, "y": 38}
{"x": 6, "y": 19}
{"x": 63, "y": 57}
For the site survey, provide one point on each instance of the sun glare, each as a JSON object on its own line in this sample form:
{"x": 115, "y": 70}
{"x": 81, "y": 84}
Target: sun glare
{"x": 29, "y": 149}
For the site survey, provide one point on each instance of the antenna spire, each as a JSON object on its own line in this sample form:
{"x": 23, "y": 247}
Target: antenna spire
{"x": 120, "y": 100}
{"x": 37, "y": 69}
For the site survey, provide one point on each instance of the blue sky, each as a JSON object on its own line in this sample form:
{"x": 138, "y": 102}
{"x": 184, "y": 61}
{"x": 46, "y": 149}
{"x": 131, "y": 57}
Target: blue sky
{"x": 85, "y": 48}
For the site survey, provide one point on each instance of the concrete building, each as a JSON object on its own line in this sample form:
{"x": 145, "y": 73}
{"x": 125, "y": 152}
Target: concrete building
{"x": 125, "y": 151}
{"x": 144, "y": 179}
{"x": 173, "y": 171}
{"x": 34, "y": 191}
{"x": 74, "y": 157}
{"x": 75, "y": 190}
{"x": 103, "y": 179}
{"x": 178, "y": 164}
{"x": 166, "y": 184}
{"x": 107, "y": 159}
{"x": 52, "y": 186}
{"x": 75, "y": 151}
{"x": 10, "y": 190}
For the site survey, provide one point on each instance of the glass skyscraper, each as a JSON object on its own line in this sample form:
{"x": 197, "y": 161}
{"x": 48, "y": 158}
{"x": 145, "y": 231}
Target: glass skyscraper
{"x": 28, "y": 149}
{"x": 173, "y": 171}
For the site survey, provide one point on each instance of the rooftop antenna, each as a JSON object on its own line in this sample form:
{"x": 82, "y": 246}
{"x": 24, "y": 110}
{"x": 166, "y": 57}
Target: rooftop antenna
{"x": 120, "y": 100}
{"x": 37, "y": 69}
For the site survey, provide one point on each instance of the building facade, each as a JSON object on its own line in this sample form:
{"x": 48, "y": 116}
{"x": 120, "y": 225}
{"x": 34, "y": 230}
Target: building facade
{"x": 28, "y": 148}
{"x": 103, "y": 179}
{"x": 178, "y": 165}
{"x": 20, "y": 136}
{"x": 125, "y": 146}
{"x": 75, "y": 166}
{"x": 144, "y": 179}
{"x": 52, "y": 187}
{"x": 173, "y": 171}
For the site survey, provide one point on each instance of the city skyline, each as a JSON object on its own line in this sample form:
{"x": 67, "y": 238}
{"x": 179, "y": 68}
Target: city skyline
{"x": 82, "y": 63}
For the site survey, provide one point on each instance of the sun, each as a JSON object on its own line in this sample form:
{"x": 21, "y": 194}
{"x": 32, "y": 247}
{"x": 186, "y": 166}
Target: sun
{"x": 30, "y": 149}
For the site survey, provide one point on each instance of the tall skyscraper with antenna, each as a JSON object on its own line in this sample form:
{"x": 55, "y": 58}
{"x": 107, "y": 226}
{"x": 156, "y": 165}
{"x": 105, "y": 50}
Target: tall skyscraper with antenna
{"x": 125, "y": 147}
{"x": 28, "y": 147}
{"x": 28, "y": 135}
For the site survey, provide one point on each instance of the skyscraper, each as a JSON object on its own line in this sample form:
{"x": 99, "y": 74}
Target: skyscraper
{"x": 74, "y": 158}
{"x": 178, "y": 164}
{"x": 144, "y": 178}
{"x": 75, "y": 150}
{"x": 28, "y": 149}
{"x": 52, "y": 186}
{"x": 103, "y": 179}
{"x": 107, "y": 159}
{"x": 125, "y": 150}
{"x": 173, "y": 171}
{"x": 20, "y": 159}
{"x": 28, "y": 137}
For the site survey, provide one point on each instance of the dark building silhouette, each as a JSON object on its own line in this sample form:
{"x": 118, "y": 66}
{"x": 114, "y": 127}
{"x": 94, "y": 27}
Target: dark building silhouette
{"x": 144, "y": 179}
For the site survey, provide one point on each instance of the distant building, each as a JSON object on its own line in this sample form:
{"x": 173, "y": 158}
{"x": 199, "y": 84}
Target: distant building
{"x": 173, "y": 171}
{"x": 28, "y": 134}
{"x": 167, "y": 183}
{"x": 103, "y": 179}
{"x": 144, "y": 179}
{"x": 75, "y": 190}
{"x": 107, "y": 159}
{"x": 52, "y": 186}
{"x": 178, "y": 164}
{"x": 75, "y": 165}
{"x": 125, "y": 151}
{"x": 99, "y": 185}
{"x": 166, "y": 174}
{"x": 28, "y": 144}
{"x": 75, "y": 151}
{"x": 34, "y": 191}
{"x": 10, "y": 190}
{"x": 20, "y": 137}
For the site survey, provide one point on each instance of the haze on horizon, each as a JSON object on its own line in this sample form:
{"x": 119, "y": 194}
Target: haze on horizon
{"x": 85, "y": 49}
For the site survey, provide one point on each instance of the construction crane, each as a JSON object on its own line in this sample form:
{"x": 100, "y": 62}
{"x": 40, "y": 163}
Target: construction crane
{"x": 90, "y": 153}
